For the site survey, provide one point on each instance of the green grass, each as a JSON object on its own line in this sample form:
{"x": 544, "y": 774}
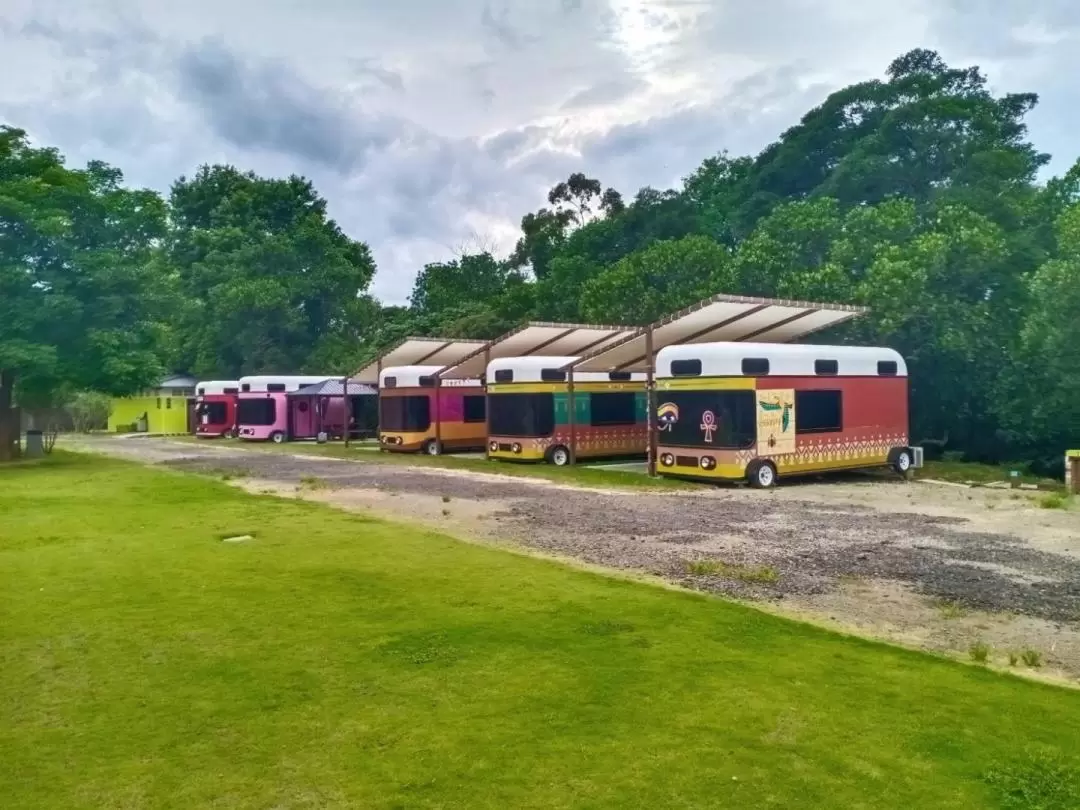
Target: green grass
{"x": 1054, "y": 500}
{"x": 764, "y": 574}
{"x": 965, "y": 472}
{"x": 338, "y": 661}
{"x": 577, "y": 475}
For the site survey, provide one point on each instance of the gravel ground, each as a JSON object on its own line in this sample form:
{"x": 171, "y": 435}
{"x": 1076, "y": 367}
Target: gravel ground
{"x": 808, "y": 545}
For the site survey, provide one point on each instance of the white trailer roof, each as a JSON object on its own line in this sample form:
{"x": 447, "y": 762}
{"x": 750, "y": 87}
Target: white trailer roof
{"x": 216, "y": 386}
{"x": 538, "y": 340}
{"x": 531, "y": 370}
{"x": 785, "y": 360}
{"x": 720, "y": 318}
{"x": 418, "y": 351}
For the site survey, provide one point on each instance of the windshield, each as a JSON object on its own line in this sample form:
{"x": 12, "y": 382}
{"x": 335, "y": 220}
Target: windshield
{"x": 212, "y": 413}
{"x": 411, "y": 413}
{"x": 720, "y": 419}
{"x": 521, "y": 415}
{"x": 256, "y": 412}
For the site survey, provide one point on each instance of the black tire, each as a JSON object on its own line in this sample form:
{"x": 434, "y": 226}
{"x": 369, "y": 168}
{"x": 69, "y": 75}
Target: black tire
{"x": 432, "y": 448}
{"x": 902, "y": 462}
{"x": 277, "y": 437}
{"x": 761, "y": 474}
{"x": 558, "y": 455}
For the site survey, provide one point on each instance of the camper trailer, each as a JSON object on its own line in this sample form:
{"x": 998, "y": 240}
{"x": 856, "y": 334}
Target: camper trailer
{"x": 418, "y": 412}
{"x": 529, "y": 411}
{"x": 762, "y": 411}
{"x": 215, "y": 408}
{"x": 262, "y": 405}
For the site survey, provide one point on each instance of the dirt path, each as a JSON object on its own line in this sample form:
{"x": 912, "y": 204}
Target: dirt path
{"x": 937, "y": 567}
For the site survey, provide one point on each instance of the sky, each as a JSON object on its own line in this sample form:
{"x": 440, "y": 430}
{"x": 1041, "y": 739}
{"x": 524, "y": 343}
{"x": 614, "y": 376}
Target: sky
{"x": 432, "y": 126}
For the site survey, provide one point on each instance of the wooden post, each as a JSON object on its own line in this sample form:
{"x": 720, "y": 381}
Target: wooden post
{"x": 572, "y": 414}
{"x": 438, "y": 414}
{"x": 487, "y": 402}
{"x": 650, "y": 399}
{"x": 1072, "y": 471}
{"x": 348, "y": 410}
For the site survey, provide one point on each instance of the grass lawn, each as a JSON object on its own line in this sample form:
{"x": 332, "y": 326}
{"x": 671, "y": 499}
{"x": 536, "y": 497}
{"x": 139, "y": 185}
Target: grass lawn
{"x": 336, "y": 661}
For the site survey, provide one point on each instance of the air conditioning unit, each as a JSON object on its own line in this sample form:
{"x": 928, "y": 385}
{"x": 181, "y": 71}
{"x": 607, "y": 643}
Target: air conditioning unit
{"x": 916, "y": 457}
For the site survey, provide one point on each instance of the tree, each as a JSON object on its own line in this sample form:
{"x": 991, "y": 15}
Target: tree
{"x": 89, "y": 410}
{"x": 659, "y": 279}
{"x": 269, "y": 281}
{"x": 80, "y": 295}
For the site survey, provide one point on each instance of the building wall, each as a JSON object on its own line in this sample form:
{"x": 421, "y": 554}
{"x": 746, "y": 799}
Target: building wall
{"x": 165, "y": 414}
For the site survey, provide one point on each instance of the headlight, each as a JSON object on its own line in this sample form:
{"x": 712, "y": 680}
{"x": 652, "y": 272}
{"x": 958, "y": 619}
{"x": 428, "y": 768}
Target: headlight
{"x": 707, "y": 462}
{"x": 515, "y": 447}
{"x": 667, "y": 460}
{"x": 494, "y": 447}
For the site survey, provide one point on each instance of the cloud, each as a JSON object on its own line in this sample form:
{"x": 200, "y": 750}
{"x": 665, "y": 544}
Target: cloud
{"x": 428, "y": 124}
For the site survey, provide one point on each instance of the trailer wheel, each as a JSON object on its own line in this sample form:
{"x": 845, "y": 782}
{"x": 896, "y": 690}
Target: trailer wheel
{"x": 559, "y": 456}
{"x": 277, "y": 437}
{"x": 761, "y": 475}
{"x": 432, "y": 448}
{"x": 902, "y": 461}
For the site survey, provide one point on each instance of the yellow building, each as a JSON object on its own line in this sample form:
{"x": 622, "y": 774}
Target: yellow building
{"x": 164, "y": 409}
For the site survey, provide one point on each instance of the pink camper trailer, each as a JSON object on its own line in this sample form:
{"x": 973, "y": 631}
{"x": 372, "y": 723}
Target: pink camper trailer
{"x": 215, "y": 408}
{"x": 262, "y": 411}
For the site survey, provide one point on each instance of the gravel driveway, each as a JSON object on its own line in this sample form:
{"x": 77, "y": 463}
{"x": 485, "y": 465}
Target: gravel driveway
{"x": 996, "y": 553}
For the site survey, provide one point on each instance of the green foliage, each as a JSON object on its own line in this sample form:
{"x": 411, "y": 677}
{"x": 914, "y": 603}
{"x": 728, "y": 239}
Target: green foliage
{"x": 80, "y": 296}
{"x": 979, "y": 652}
{"x": 89, "y": 410}
{"x": 267, "y": 281}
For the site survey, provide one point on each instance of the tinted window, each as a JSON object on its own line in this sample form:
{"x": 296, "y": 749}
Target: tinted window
{"x": 504, "y": 375}
{"x": 826, "y": 367}
{"x": 818, "y": 411}
{"x": 256, "y": 411}
{"x": 620, "y": 376}
{"x": 685, "y": 368}
{"x": 692, "y": 418}
{"x": 613, "y": 409}
{"x": 552, "y": 375}
{"x": 521, "y": 415}
{"x": 275, "y": 388}
{"x": 215, "y": 413}
{"x": 411, "y": 414}
{"x": 245, "y": 387}
{"x": 427, "y": 381}
{"x": 365, "y": 411}
{"x": 389, "y": 382}
{"x": 475, "y": 408}
{"x": 232, "y": 391}
{"x": 755, "y": 366}
{"x": 201, "y": 392}
{"x": 887, "y": 368}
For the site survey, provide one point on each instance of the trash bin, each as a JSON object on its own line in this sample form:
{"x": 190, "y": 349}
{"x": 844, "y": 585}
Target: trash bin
{"x": 141, "y": 424}
{"x": 35, "y": 445}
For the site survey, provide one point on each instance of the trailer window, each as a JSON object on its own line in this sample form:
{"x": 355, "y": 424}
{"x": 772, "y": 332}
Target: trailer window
{"x": 521, "y": 415}
{"x": 685, "y": 368}
{"x": 232, "y": 390}
{"x": 755, "y": 366}
{"x": 427, "y": 381}
{"x": 887, "y": 368}
{"x": 613, "y": 409}
{"x": 245, "y": 387}
{"x": 475, "y": 409}
{"x": 827, "y": 367}
{"x": 215, "y": 413}
{"x": 275, "y": 388}
{"x": 723, "y": 420}
{"x": 819, "y": 411}
{"x": 552, "y": 375}
{"x": 262, "y": 411}
{"x": 411, "y": 414}
{"x": 620, "y": 376}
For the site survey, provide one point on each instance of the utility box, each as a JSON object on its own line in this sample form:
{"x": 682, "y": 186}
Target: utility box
{"x": 1072, "y": 471}
{"x": 35, "y": 445}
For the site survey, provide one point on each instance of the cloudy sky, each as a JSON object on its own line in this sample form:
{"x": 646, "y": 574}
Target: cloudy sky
{"x": 432, "y": 125}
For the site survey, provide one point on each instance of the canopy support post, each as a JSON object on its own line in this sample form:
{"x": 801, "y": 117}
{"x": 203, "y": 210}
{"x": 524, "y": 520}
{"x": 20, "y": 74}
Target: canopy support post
{"x": 487, "y": 402}
{"x": 348, "y": 410}
{"x": 650, "y": 394}
{"x": 438, "y": 415}
{"x": 571, "y": 407}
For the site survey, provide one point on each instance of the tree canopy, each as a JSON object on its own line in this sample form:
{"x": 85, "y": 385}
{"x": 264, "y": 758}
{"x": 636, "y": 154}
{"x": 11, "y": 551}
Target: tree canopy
{"x": 917, "y": 194}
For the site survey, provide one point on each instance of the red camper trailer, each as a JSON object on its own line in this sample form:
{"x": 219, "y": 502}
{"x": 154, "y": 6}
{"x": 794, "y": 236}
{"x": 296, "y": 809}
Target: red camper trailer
{"x": 215, "y": 408}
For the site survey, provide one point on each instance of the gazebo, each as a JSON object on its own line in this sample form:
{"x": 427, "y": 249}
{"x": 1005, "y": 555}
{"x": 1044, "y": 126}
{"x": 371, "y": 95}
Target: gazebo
{"x": 320, "y": 408}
